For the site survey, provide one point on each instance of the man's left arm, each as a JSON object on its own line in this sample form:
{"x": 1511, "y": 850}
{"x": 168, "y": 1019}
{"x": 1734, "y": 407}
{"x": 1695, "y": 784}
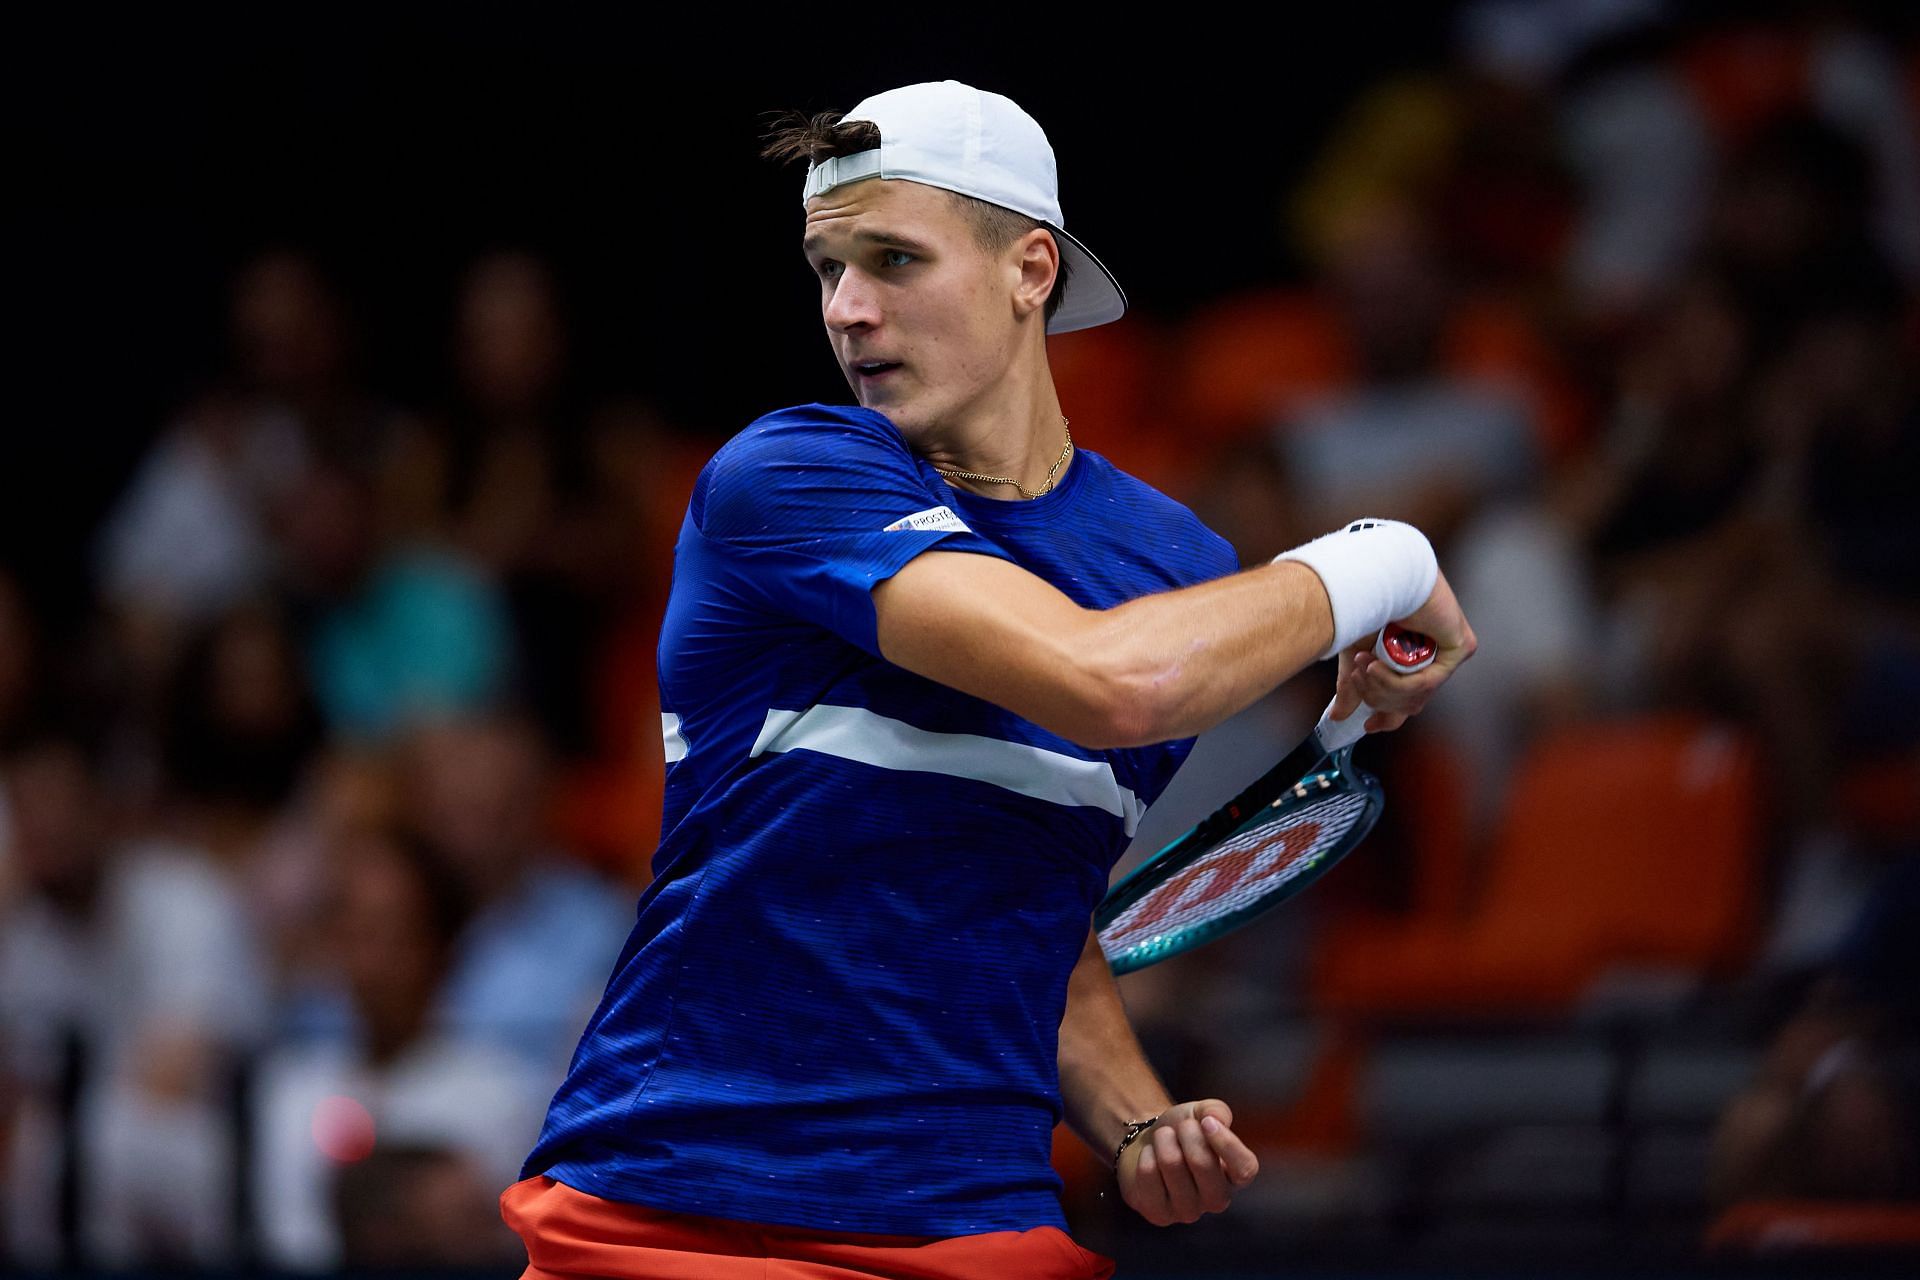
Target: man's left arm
{"x": 1191, "y": 1162}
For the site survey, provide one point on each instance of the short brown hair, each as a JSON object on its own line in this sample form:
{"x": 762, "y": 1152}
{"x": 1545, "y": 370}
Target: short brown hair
{"x": 814, "y": 138}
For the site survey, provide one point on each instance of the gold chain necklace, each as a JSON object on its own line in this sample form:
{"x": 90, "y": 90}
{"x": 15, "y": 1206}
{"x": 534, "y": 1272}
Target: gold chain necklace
{"x": 1052, "y": 471}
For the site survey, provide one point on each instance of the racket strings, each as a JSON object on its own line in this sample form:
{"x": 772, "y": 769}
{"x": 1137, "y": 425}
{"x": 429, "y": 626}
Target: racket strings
{"x": 1240, "y": 871}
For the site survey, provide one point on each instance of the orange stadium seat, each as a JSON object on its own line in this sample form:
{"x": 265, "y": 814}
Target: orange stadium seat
{"x": 1745, "y": 75}
{"x": 1492, "y": 339}
{"x": 1111, "y": 380}
{"x": 1429, "y": 787}
{"x": 1245, "y": 360}
{"x": 1880, "y": 799}
{"x": 1801, "y": 1226}
{"x": 1245, "y": 363}
{"x": 1628, "y": 843}
{"x": 606, "y": 809}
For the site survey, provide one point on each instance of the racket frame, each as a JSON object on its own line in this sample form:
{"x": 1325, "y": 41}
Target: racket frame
{"x": 1321, "y": 765}
{"x": 1309, "y": 774}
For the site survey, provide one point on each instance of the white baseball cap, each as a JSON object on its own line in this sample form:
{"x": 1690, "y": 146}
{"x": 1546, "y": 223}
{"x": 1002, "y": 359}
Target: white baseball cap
{"x": 948, "y": 134}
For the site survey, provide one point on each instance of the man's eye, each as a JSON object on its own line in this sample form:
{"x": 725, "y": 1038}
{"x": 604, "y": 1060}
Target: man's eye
{"x": 903, "y": 253}
{"x": 826, "y": 268}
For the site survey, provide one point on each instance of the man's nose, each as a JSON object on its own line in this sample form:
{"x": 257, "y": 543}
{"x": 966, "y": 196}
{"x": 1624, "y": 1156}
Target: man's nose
{"x": 852, "y": 302}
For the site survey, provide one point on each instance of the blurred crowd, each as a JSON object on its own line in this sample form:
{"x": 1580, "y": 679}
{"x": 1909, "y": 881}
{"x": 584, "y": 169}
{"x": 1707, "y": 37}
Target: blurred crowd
{"x": 321, "y": 837}
{"x": 1621, "y": 309}
{"x": 320, "y": 834}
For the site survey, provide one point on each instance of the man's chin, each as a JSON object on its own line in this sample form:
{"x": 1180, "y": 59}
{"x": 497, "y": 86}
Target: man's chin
{"x": 901, "y": 415}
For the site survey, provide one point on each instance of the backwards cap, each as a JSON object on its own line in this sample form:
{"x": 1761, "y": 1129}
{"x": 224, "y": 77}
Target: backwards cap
{"x": 948, "y": 134}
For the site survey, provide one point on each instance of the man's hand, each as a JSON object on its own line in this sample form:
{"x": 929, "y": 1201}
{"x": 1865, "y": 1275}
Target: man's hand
{"x": 1187, "y": 1165}
{"x": 1393, "y": 696}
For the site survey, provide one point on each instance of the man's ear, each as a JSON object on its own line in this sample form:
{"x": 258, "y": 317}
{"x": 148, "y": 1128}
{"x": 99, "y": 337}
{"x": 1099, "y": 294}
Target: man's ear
{"x": 1038, "y": 257}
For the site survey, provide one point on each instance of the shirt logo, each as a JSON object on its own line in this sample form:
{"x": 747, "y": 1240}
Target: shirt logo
{"x": 941, "y": 518}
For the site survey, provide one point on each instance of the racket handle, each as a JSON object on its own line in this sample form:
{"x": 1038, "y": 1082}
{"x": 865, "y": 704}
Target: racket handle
{"x": 1403, "y": 650}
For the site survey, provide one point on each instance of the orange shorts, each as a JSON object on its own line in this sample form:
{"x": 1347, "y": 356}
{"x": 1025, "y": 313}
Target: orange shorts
{"x": 570, "y": 1233}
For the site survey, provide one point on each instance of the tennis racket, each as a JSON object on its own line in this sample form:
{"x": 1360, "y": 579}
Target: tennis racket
{"x": 1262, "y": 847}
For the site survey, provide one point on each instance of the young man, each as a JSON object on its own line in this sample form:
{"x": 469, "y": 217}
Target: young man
{"x": 924, "y": 665}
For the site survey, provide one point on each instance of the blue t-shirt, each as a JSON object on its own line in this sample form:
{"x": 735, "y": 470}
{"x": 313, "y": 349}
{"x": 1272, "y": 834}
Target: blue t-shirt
{"x": 840, "y": 1004}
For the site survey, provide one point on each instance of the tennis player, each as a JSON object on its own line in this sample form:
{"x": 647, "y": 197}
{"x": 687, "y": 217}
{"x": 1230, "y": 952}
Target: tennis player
{"x": 924, "y": 665}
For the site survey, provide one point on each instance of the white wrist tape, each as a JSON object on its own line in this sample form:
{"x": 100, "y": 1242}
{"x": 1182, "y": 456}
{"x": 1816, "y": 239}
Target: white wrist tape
{"x": 1375, "y": 572}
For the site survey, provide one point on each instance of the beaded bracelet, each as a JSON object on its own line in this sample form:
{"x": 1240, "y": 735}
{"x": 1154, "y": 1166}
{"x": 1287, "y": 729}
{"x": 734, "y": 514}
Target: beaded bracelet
{"x": 1134, "y": 1129}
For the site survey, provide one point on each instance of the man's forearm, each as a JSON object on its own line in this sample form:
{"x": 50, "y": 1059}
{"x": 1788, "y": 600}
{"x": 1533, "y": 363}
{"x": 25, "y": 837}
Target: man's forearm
{"x": 1105, "y": 1079}
{"x": 1194, "y": 657}
{"x": 1161, "y": 666}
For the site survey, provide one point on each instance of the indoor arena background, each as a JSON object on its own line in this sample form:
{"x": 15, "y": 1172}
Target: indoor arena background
{"x": 362, "y": 362}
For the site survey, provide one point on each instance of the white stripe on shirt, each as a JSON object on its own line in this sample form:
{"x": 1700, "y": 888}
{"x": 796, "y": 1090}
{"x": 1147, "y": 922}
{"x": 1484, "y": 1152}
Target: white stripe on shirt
{"x": 854, "y": 733}
{"x": 676, "y": 742}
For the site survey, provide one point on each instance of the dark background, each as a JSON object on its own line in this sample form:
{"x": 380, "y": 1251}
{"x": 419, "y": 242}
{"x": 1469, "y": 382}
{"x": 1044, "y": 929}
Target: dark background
{"x": 151, "y": 154}
{"x": 155, "y": 154}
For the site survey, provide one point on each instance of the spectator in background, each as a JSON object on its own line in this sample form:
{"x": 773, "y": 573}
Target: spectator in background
{"x": 1472, "y": 142}
{"x": 1842, "y": 419}
{"x": 20, "y": 677}
{"x": 1643, "y": 154}
{"x": 194, "y": 532}
{"x": 396, "y": 1081}
{"x": 1835, "y": 1110}
{"x": 1861, "y": 441}
{"x": 507, "y": 475}
{"x": 343, "y": 794}
{"x": 573, "y": 512}
{"x": 20, "y": 685}
{"x": 1699, "y": 508}
{"x": 239, "y": 735}
{"x": 535, "y": 954}
{"x": 393, "y": 633}
{"x": 1823, "y": 61}
{"x": 1411, "y": 439}
{"x": 1652, "y": 107}
{"x": 421, "y": 1206}
{"x": 607, "y": 807}
{"x": 129, "y": 985}
{"x": 1789, "y": 231}
{"x": 1418, "y": 438}
{"x": 1749, "y": 513}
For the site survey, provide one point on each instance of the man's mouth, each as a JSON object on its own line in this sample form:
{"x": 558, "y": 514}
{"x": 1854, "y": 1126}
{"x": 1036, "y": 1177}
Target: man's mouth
{"x": 875, "y": 368}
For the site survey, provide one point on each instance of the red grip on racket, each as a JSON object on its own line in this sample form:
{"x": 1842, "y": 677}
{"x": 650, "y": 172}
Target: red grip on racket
{"x": 1403, "y": 650}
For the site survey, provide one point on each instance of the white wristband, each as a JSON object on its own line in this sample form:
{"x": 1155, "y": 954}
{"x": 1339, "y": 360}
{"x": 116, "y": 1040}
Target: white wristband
{"x": 1375, "y": 572}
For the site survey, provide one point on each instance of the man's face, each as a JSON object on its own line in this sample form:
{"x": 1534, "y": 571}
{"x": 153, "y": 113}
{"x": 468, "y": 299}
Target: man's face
{"x": 903, "y": 282}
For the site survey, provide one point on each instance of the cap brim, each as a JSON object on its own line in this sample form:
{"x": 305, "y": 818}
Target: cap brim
{"x": 1093, "y": 295}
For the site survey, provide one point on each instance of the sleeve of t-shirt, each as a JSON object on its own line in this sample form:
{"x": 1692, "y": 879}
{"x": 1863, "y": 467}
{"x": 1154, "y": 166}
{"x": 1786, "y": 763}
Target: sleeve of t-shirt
{"x": 812, "y": 506}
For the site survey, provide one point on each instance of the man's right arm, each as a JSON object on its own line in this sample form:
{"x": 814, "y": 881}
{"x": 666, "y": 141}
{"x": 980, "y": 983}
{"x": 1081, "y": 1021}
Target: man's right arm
{"x": 1162, "y": 666}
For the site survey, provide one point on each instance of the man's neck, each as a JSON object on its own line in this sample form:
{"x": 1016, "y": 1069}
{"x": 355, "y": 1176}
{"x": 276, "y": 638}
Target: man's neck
{"x": 1020, "y": 436}
{"x": 1011, "y": 485}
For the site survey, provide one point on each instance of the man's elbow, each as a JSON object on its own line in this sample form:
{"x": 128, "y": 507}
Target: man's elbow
{"x": 1127, "y": 708}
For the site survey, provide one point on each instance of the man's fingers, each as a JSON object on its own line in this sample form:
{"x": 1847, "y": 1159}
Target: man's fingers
{"x": 1345, "y": 696}
{"x": 1183, "y": 1198}
{"x": 1213, "y": 1107}
{"x": 1209, "y": 1177}
{"x": 1240, "y": 1163}
{"x": 1395, "y": 696}
{"x": 1440, "y": 618}
{"x": 1149, "y": 1196}
{"x": 1190, "y": 1164}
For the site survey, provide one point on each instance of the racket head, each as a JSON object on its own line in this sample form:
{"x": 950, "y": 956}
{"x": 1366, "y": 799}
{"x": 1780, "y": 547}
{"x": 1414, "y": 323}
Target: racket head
{"x": 1201, "y": 887}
